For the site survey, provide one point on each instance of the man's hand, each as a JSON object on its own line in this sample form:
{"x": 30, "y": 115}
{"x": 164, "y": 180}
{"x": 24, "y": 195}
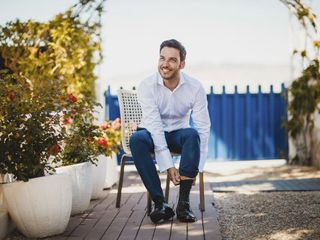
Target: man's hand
{"x": 174, "y": 175}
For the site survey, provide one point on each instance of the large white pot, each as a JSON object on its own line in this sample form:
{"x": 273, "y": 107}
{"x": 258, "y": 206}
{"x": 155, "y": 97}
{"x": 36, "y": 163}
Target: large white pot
{"x": 40, "y": 207}
{"x": 112, "y": 175}
{"x": 81, "y": 177}
{"x": 6, "y": 225}
{"x": 98, "y": 176}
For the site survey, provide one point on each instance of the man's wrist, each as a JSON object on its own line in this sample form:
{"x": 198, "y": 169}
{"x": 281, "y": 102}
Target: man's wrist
{"x": 170, "y": 168}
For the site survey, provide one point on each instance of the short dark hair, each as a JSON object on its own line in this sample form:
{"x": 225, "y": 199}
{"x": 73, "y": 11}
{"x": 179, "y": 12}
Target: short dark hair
{"x": 177, "y": 45}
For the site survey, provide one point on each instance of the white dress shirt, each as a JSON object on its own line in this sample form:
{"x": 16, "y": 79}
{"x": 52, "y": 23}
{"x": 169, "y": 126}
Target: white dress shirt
{"x": 166, "y": 110}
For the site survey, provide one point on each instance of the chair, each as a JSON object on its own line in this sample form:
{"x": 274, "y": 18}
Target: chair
{"x": 131, "y": 114}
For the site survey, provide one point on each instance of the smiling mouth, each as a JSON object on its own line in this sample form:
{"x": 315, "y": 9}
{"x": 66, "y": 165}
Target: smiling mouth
{"x": 165, "y": 70}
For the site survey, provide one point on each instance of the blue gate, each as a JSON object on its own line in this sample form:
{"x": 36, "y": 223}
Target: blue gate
{"x": 244, "y": 126}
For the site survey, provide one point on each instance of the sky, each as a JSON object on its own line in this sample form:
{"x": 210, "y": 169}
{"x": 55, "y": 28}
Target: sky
{"x": 230, "y": 42}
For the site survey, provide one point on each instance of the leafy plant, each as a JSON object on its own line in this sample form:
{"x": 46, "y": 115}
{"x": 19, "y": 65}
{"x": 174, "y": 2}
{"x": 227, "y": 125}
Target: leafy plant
{"x": 42, "y": 66}
{"x": 80, "y": 133}
{"x": 83, "y": 140}
{"x": 65, "y": 48}
{"x": 304, "y": 93}
{"x": 29, "y": 128}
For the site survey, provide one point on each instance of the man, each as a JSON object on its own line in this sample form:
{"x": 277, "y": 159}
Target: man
{"x": 167, "y": 99}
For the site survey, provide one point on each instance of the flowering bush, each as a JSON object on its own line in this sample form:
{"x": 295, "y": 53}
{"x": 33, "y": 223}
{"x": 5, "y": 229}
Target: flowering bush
{"x": 35, "y": 130}
{"x": 46, "y": 90}
{"x": 30, "y": 130}
{"x": 84, "y": 140}
{"x": 79, "y": 132}
{"x": 110, "y": 139}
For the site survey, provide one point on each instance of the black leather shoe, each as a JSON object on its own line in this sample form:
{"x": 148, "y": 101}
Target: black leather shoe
{"x": 161, "y": 212}
{"x": 184, "y": 213}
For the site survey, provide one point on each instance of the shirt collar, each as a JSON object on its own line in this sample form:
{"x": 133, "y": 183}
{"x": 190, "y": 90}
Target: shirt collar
{"x": 160, "y": 80}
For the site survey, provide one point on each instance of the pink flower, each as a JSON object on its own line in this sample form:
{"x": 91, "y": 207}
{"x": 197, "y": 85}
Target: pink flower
{"x": 66, "y": 120}
{"x": 105, "y": 126}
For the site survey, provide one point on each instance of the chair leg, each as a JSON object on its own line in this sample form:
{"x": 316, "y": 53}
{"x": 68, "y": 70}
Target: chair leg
{"x": 148, "y": 203}
{"x": 120, "y": 183}
{"x": 201, "y": 185}
{"x": 166, "y": 195}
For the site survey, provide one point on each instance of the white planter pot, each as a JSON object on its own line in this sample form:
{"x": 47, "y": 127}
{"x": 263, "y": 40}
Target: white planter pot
{"x": 112, "y": 175}
{"x": 6, "y": 225}
{"x": 81, "y": 177}
{"x": 40, "y": 207}
{"x": 98, "y": 176}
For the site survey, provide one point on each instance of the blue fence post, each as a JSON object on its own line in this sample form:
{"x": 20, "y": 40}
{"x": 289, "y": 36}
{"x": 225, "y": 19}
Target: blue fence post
{"x": 229, "y": 120}
{"x": 283, "y": 137}
{"x": 107, "y": 95}
{"x": 236, "y": 124}
{"x": 224, "y": 121}
{"x": 271, "y": 124}
{"x": 248, "y": 125}
{"x": 213, "y": 140}
{"x": 260, "y": 123}
{"x": 218, "y": 126}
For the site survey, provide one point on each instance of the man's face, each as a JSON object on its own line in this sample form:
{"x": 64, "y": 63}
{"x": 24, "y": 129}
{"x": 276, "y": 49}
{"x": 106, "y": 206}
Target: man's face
{"x": 169, "y": 63}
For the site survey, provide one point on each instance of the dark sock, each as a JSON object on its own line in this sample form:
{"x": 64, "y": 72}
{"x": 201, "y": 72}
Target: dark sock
{"x": 158, "y": 202}
{"x": 185, "y": 187}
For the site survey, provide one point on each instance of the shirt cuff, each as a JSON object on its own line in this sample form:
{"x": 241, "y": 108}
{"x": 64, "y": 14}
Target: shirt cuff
{"x": 203, "y": 159}
{"x": 164, "y": 160}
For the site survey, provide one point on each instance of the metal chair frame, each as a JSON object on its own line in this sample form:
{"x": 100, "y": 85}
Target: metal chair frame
{"x": 131, "y": 114}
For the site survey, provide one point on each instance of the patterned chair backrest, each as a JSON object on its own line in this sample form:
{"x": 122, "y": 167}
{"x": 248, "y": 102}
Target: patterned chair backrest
{"x": 130, "y": 113}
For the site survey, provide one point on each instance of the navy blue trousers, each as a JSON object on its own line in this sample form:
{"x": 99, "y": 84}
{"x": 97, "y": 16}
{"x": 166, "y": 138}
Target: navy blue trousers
{"x": 185, "y": 141}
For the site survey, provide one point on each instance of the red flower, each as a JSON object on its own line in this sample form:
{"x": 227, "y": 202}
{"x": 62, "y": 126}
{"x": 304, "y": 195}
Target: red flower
{"x": 102, "y": 142}
{"x": 11, "y": 96}
{"x": 54, "y": 149}
{"x": 72, "y": 98}
{"x": 105, "y": 126}
{"x": 66, "y": 120}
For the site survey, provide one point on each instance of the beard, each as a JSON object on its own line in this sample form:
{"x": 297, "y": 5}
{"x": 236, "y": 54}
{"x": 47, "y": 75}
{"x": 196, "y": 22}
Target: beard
{"x": 168, "y": 74}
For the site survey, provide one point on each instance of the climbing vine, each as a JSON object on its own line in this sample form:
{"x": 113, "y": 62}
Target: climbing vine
{"x": 304, "y": 93}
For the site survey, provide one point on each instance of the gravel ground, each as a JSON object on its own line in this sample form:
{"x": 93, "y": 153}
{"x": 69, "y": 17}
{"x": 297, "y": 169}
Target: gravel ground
{"x": 268, "y": 215}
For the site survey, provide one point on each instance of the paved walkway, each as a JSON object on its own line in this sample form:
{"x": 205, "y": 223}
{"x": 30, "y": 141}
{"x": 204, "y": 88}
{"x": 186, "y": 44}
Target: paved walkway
{"x": 104, "y": 221}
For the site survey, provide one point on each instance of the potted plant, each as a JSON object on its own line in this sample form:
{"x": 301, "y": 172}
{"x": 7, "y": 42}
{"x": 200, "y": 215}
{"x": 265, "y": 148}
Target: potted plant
{"x": 79, "y": 151}
{"x": 58, "y": 56}
{"x": 112, "y": 136}
{"x": 106, "y": 144}
{"x": 30, "y": 137}
{"x": 84, "y": 149}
